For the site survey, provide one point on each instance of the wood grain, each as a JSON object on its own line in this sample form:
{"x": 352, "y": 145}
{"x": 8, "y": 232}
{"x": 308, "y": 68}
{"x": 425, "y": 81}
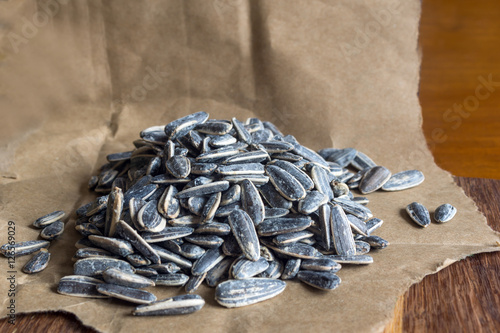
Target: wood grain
{"x": 460, "y": 42}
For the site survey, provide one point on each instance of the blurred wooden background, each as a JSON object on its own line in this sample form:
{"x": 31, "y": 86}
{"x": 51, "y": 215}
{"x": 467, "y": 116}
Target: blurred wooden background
{"x": 460, "y": 42}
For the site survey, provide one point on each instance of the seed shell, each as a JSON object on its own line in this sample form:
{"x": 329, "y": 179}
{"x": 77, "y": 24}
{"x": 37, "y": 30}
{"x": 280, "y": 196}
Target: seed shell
{"x": 80, "y": 286}
{"x": 320, "y": 280}
{"x": 23, "y": 248}
{"x": 125, "y": 293}
{"x": 38, "y": 262}
{"x": 244, "y": 231}
{"x": 44, "y": 221}
{"x": 374, "y": 179}
{"x": 404, "y": 180}
{"x": 95, "y": 266}
{"x": 444, "y": 213}
{"x": 287, "y": 185}
{"x": 419, "y": 214}
{"x": 342, "y": 237}
{"x": 52, "y": 231}
{"x": 237, "y": 293}
{"x": 177, "y": 305}
{"x": 115, "y": 276}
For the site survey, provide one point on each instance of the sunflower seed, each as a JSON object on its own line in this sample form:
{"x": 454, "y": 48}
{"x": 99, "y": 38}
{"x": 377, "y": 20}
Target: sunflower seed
{"x": 125, "y": 293}
{"x": 185, "y": 221}
{"x": 169, "y": 180}
{"x": 219, "y": 141}
{"x": 95, "y": 266}
{"x": 128, "y": 233}
{"x": 113, "y": 211}
{"x": 204, "y": 189}
{"x": 312, "y": 202}
{"x": 272, "y": 227}
{"x": 90, "y": 252}
{"x": 186, "y": 250}
{"x": 419, "y": 214}
{"x": 214, "y": 228}
{"x": 211, "y": 206}
{"x": 146, "y": 271}
{"x": 148, "y": 218}
{"x": 320, "y": 280}
{"x": 232, "y": 195}
{"x": 252, "y": 202}
{"x": 342, "y": 237}
{"x": 166, "y": 255}
{"x": 375, "y": 242}
{"x": 373, "y": 224}
{"x": 115, "y": 276}
{"x": 10, "y": 250}
{"x": 357, "y": 225}
{"x": 287, "y": 185}
{"x": 214, "y": 127}
{"x": 321, "y": 181}
{"x": 354, "y": 260}
{"x": 114, "y": 245}
{"x": 444, "y": 213}
{"x": 339, "y": 189}
{"x": 87, "y": 229}
{"x": 166, "y": 234}
{"x": 207, "y": 261}
{"x": 257, "y": 180}
{"x": 230, "y": 247}
{"x": 274, "y": 270}
{"x": 404, "y": 180}
{"x": 206, "y": 241}
{"x": 196, "y": 204}
{"x": 273, "y": 198}
{"x": 361, "y": 200}
{"x": 247, "y": 157}
{"x": 203, "y": 169}
{"x": 300, "y": 175}
{"x": 362, "y": 161}
{"x": 374, "y": 179}
{"x": 237, "y": 293}
{"x": 117, "y": 157}
{"x": 320, "y": 264}
{"x": 243, "y": 134}
{"x": 291, "y": 237}
{"x": 177, "y": 305}
{"x": 244, "y": 231}
{"x": 342, "y": 157}
{"x": 168, "y": 205}
{"x": 178, "y": 166}
{"x": 296, "y": 250}
{"x": 325, "y": 226}
{"x": 362, "y": 247}
{"x": 240, "y": 169}
{"x": 137, "y": 260}
{"x": 277, "y": 146}
{"x": 354, "y": 208}
{"x": 142, "y": 189}
{"x": 44, "y": 221}
{"x": 80, "y": 286}
{"x": 98, "y": 205}
{"x": 52, "y": 231}
{"x": 243, "y": 268}
{"x": 271, "y": 213}
{"x": 219, "y": 272}
{"x": 291, "y": 269}
{"x": 194, "y": 282}
{"x": 185, "y": 124}
{"x": 38, "y": 262}
{"x": 171, "y": 280}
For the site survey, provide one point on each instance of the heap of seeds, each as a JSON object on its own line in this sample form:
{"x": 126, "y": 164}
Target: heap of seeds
{"x": 237, "y": 206}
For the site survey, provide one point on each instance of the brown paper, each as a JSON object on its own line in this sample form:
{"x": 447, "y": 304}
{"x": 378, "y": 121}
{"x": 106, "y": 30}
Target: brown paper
{"x": 80, "y": 79}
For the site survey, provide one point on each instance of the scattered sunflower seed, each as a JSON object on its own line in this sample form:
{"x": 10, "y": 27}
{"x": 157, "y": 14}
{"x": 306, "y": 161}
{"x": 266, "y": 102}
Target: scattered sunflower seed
{"x": 177, "y": 305}
{"x": 444, "y": 213}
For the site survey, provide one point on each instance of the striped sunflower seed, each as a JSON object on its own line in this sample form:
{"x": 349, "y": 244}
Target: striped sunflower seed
{"x": 177, "y": 305}
{"x": 404, "y": 180}
{"x": 374, "y": 179}
{"x": 95, "y": 266}
{"x": 10, "y": 250}
{"x": 115, "y": 276}
{"x": 52, "y": 231}
{"x": 80, "y": 286}
{"x": 244, "y": 231}
{"x": 320, "y": 280}
{"x": 291, "y": 269}
{"x": 38, "y": 262}
{"x": 125, "y": 293}
{"x": 50, "y": 218}
{"x": 237, "y": 293}
{"x": 178, "y": 166}
{"x": 444, "y": 213}
{"x": 185, "y": 124}
{"x": 342, "y": 237}
{"x": 419, "y": 214}
{"x": 286, "y": 185}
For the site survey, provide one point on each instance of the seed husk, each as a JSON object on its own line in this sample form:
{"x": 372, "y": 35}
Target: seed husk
{"x": 210, "y": 208}
{"x": 241, "y": 131}
{"x": 116, "y": 276}
{"x": 374, "y": 179}
{"x": 186, "y": 249}
{"x": 444, "y": 213}
{"x": 80, "y": 286}
{"x": 321, "y": 181}
{"x": 166, "y": 255}
{"x": 287, "y": 185}
{"x": 375, "y": 242}
{"x": 256, "y": 156}
{"x": 273, "y": 198}
{"x": 244, "y": 231}
{"x": 177, "y": 305}
{"x": 404, "y": 180}
{"x": 95, "y": 266}
{"x": 214, "y": 228}
{"x": 300, "y": 175}
{"x": 292, "y": 237}
{"x": 50, "y": 218}
{"x": 320, "y": 280}
{"x": 206, "y": 241}
{"x": 237, "y": 293}
{"x": 419, "y": 214}
{"x": 342, "y": 237}
{"x": 23, "y": 248}
{"x": 125, "y": 293}
{"x": 52, "y": 231}
{"x": 171, "y": 280}
{"x": 38, "y": 262}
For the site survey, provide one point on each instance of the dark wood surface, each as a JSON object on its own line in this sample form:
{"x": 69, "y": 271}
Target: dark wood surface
{"x": 464, "y": 297}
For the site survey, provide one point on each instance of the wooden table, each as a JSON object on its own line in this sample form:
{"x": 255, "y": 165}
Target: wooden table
{"x": 461, "y": 44}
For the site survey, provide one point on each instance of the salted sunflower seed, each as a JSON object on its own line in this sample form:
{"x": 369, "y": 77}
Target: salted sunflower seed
{"x": 218, "y": 141}
{"x": 137, "y": 260}
{"x": 215, "y": 127}
{"x": 283, "y": 225}
{"x": 244, "y": 231}
{"x": 300, "y": 175}
{"x": 404, "y": 180}
{"x": 115, "y": 276}
{"x": 374, "y": 179}
{"x": 287, "y": 185}
{"x": 320, "y": 264}
{"x": 375, "y": 242}
{"x": 194, "y": 283}
{"x": 171, "y": 280}
{"x": 44, "y": 221}
{"x": 444, "y": 213}
{"x": 373, "y": 224}
{"x": 167, "y": 255}
{"x": 241, "y": 131}
{"x": 320, "y": 280}
{"x": 148, "y": 218}
{"x": 342, "y": 237}
{"x": 419, "y": 214}
{"x": 357, "y": 225}
{"x": 207, "y": 261}
{"x": 362, "y": 161}
{"x": 219, "y": 272}
{"x": 177, "y": 305}
{"x": 95, "y": 266}
{"x": 167, "y": 234}
{"x": 23, "y": 248}
{"x": 206, "y": 241}
{"x": 353, "y": 260}
{"x": 243, "y": 268}
{"x": 312, "y": 202}
{"x": 168, "y": 205}
{"x": 210, "y": 208}
{"x": 321, "y": 181}
{"x": 240, "y": 169}
{"x": 113, "y": 211}
{"x": 354, "y": 208}
{"x": 233, "y": 194}
{"x": 52, "y": 231}
{"x": 204, "y": 189}
{"x": 291, "y": 237}
{"x": 80, "y": 286}
{"x": 186, "y": 249}
{"x": 90, "y": 252}
{"x": 271, "y": 213}
{"x": 256, "y": 156}
{"x": 203, "y": 169}
{"x": 252, "y": 202}
{"x": 38, "y": 262}
{"x": 273, "y": 197}
{"x": 214, "y": 228}
{"x": 185, "y": 124}
{"x": 114, "y": 245}
{"x": 257, "y": 180}
{"x": 291, "y": 269}
{"x": 295, "y": 250}
{"x": 325, "y": 225}
{"x": 342, "y": 157}
{"x": 125, "y": 293}
{"x": 237, "y": 293}
{"x": 140, "y": 244}
{"x": 178, "y": 166}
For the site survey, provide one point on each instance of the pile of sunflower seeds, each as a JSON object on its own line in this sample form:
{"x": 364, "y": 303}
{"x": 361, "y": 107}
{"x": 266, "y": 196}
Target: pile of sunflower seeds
{"x": 237, "y": 206}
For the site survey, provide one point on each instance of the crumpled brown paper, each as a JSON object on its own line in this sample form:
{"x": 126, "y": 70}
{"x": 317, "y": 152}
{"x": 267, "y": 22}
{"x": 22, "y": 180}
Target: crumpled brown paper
{"x": 80, "y": 79}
